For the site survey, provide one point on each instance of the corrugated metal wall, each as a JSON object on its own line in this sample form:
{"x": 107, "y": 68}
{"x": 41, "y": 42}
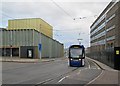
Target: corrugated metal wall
{"x": 27, "y": 37}
{"x": 18, "y": 38}
{"x": 1, "y": 42}
{"x": 51, "y": 48}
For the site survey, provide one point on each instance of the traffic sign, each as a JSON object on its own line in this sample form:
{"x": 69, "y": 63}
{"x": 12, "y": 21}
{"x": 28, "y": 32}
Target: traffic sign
{"x": 40, "y": 47}
{"x": 117, "y": 52}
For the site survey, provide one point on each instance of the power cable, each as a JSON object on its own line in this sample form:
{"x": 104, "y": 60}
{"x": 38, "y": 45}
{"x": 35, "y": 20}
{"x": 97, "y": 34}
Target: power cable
{"x": 62, "y": 9}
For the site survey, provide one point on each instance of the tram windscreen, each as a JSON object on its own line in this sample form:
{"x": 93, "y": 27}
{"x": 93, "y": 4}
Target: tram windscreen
{"x": 76, "y": 52}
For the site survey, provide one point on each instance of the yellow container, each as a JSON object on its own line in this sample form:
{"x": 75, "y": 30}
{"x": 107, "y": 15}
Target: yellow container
{"x": 31, "y": 23}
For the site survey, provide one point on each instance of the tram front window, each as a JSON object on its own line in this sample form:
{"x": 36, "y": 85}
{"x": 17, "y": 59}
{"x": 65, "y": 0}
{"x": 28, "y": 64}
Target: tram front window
{"x": 76, "y": 53}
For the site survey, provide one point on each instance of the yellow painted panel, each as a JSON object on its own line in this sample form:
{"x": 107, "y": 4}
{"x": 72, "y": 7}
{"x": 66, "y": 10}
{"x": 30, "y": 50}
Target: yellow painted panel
{"x": 31, "y": 23}
{"x": 117, "y": 52}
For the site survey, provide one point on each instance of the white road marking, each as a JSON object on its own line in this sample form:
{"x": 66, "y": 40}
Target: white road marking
{"x": 67, "y": 76}
{"x": 44, "y": 81}
{"x": 62, "y": 79}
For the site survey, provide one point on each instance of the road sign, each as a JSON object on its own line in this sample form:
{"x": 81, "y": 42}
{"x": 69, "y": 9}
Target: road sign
{"x": 117, "y": 58}
{"x": 117, "y": 52}
{"x": 40, "y": 47}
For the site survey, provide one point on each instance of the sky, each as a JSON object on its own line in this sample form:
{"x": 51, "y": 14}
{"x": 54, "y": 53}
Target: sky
{"x": 63, "y": 15}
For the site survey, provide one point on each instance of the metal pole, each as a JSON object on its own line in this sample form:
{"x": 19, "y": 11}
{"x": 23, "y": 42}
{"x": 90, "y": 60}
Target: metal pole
{"x": 11, "y": 52}
{"x": 40, "y": 41}
{"x": 11, "y": 47}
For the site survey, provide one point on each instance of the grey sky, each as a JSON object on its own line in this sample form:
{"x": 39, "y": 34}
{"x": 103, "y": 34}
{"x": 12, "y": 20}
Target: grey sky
{"x": 66, "y": 30}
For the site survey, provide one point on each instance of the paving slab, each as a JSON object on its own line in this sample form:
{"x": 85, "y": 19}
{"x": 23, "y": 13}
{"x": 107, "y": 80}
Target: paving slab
{"x": 107, "y": 76}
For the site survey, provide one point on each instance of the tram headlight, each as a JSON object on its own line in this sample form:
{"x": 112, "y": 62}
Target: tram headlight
{"x": 71, "y": 59}
{"x": 79, "y": 59}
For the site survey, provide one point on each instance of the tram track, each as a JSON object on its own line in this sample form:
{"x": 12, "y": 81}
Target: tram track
{"x": 51, "y": 79}
{"x": 68, "y": 74}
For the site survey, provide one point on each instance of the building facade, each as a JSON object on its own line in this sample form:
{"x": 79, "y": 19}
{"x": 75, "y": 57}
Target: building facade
{"x": 105, "y": 34}
{"x": 31, "y": 23}
{"x": 105, "y": 30}
{"x": 21, "y": 42}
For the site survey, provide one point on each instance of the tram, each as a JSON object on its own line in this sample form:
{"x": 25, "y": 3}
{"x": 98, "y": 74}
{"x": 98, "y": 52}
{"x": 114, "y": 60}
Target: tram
{"x": 76, "y": 56}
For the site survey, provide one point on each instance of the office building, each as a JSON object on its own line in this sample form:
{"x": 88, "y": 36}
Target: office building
{"x": 105, "y": 31}
{"x": 105, "y": 34}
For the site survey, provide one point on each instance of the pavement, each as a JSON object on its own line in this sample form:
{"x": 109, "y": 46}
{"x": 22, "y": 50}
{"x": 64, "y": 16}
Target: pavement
{"x": 24, "y": 60}
{"x": 108, "y": 75}
{"x": 102, "y": 66}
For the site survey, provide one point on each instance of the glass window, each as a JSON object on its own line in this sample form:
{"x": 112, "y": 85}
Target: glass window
{"x": 76, "y": 53}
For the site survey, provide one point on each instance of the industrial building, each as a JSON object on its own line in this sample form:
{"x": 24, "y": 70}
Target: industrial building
{"x": 20, "y": 41}
{"x": 105, "y": 33}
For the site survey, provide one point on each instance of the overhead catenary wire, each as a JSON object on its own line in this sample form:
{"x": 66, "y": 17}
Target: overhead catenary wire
{"x": 4, "y": 14}
{"x": 67, "y": 30}
{"x": 62, "y": 9}
{"x": 68, "y": 13}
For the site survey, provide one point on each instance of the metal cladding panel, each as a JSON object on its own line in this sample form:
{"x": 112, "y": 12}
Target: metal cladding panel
{"x": 4, "y": 38}
{"x": 13, "y": 38}
{"x": 4, "y": 41}
{"x": 56, "y": 50}
{"x": 36, "y": 39}
{"x": 50, "y": 47}
{"x": 9, "y": 39}
{"x": 17, "y": 38}
{"x": 30, "y": 37}
{"x": 1, "y": 39}
{"x": 53, "y": 49}
{"x": 31, "y": 23}
{"x": 45, "y": 43}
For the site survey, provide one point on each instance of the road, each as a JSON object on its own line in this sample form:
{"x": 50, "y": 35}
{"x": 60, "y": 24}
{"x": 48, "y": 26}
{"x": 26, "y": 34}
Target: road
{"x": 54, "y": 72}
